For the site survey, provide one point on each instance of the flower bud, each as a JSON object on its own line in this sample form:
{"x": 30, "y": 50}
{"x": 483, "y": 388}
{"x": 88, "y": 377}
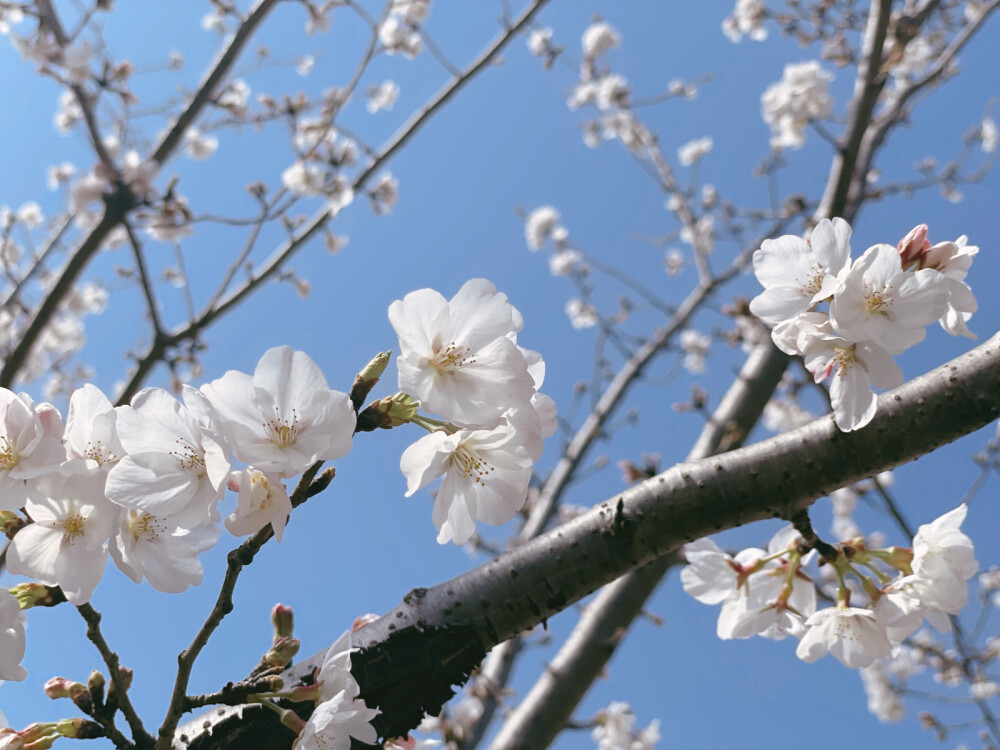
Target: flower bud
{"x": 388, "y": 412}
{"x": 79, "y": 729}
{"x": 282, "y": 652}
{"x": 126, "y": 674}
{"x": 283, "y": 621}
{"x": 60, "y": 687}
{"x": 96, "y": 684}
{"x": 368, "y": 377}
{"x": 37, "y": 595}
{"x": 914, "y": 245}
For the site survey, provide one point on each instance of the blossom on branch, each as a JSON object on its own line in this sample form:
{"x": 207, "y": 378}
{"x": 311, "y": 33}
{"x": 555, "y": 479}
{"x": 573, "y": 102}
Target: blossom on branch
{"x": 30, "y": 446}
{"x": 12, "y": 638}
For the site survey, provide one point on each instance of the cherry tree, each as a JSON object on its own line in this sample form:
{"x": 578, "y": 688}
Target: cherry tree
{"x": 776, "y": 304}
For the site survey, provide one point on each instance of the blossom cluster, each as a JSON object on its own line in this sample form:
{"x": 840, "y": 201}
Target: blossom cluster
{"x": 767, "y": 593}
{"x": 461, "y": 360}
{"x": 879, "y": 305}
{"x": 141, "y": 483}
{"x": 800, "y": 97}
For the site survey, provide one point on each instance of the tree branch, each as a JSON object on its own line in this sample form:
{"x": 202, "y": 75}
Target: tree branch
{"x": 410, "y": 657}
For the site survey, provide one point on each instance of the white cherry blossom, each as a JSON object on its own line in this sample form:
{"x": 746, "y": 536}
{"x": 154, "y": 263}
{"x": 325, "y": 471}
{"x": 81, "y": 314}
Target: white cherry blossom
{"x": 382, "y": 97}
{"x": 853, "y": 635}
{"x": 455, "y": 355}
{"x": 199, "y": 146}
{"x": 163, "y": 549}
{"x": 541, "y": 224}
{"x": 30, "y": 446}
{"x": 797, "y": 274}
{"x": 66, "y": 546}
{"x": 173, "y": 464}
{"x": 881, "y": 302}
{"x": 694, "y": 151}
{"x": 789, "y": 105}
{"x": 284, "y": 417}
{"x": 303, "y": 179}
{"x": 486, "y": 475}
{"x": 598, "y": 38}
{"x": 91, "y": 430}
{"x": 12, "y": 638}
{"x": 747, "y": 19}
{"x": 262, "y": 500}
{"x": 952, "y": 260}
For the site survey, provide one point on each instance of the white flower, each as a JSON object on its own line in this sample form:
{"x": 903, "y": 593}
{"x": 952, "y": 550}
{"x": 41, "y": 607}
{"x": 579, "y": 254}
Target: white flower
{"x": 695, "y": 346}
{"x": 382, "y": 97}
{"x": 30, "y": 446}
{"x": 598, "y": 39}
{"x": 581, "y": 315}
{"x": 384, "y": 194}
{"x": 748, "y": 18}
{"x": 164, "y": 549}
{"x": 455, "y": 355}
{"x": 198, "y": 145}
{"x": 541, "y": 224}
{"x": 262, "y": 500}
{"x": 335, "y": 722}
{"x": 303, "y": 179}
{"x": 881, "y": 302}
{"x": 340, "y": 194}
{"x": 341, "y": 714}
{"x": 883, "y": 700}
{"x": 91, "y": 430}
{"x": 989, "y": 134}
{"x": 12, "y": 638}
{"x": 855, "y": 636}
{"x": 799, "y": 97}
{"x": 284, "y": 418}
{"x": 612, "y": 91}
{"x": 413, "y": 12}
{"x": 673, "y": 261}
{"x": 173, "y": 464}
{"x": 797, "y": 274}
{"x": 59, "y": 174}
{"x": 943, "y": 560}
{"x": 693, "y": 151}
{"x": 234, "y": 97}
{"x": 397, "y": 37}
{"x": 305, "y": 65}
{"x": 31, "y": 214}
{"x": 564, "y": 262}
{"x": 855, "y": 369}
{"x": 539, "y": 41}
{"x": 952, "y": 260}
{"x": 66, "y": 545}
{"x": 486, "y": 475}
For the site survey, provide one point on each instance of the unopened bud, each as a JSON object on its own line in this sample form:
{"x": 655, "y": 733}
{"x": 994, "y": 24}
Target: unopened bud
{"x": 79, "y": 729}
{"x": 368, "y": 377}
{"x": 914, "y": 245}
{"x": 362, "y": 621}
{"x": 282, "y": 652}
{"x": 37, "y": 595}
{"x": 126, "y": 674}
{"x": 283, "y": 621}
{"x": 96, "y": 684}
{"x": 388, "y": 412}
{"x": 60, "y": 687}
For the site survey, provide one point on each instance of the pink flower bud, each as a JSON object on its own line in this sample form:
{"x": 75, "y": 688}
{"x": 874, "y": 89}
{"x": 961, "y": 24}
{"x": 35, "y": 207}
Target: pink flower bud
{"x": 913, "y": 245}
{"x": 362, "y": 621}
{"x": 60, "y": 687}
{"x": 283, "y": 621}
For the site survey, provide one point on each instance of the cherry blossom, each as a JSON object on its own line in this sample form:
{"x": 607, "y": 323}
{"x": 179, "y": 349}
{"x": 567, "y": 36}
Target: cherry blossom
{"x": 284, "y": 417}
{"x": 486, "y": 475}
{"x": 12, "y": 638}
{"x": 163, "y": 549}
{"x": 30, "y": 446}
{"x": 598, "y": 38}
{"x": 262, "y": 500}
{"x": 173, "y": 463}
{"x": 797, "y": 274}
{"x": 694, "y": 151}
{"x": 542, "y": 224}
{"x": 303, "y": 179}
{"x": 199, "y": 146}
{"x": 952, "y": 260}
{"x": 382, "y": 97}
{"x": 881, "y": 302}
{"x": 854, "y": 636}
{"x": 91, "y": 431}
{"x": 789, "y": 105}
{"x": 66, "y": 546}
{"x": 747, "y": 19}
{"x": 455, "y": 355}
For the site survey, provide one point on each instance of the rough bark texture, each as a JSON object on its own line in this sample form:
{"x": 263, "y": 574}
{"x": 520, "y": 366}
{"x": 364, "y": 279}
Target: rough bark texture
{"x": 410, "y": 657}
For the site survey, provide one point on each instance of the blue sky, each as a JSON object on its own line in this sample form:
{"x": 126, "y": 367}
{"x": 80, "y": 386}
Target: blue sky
{"x": 507, "y": 141}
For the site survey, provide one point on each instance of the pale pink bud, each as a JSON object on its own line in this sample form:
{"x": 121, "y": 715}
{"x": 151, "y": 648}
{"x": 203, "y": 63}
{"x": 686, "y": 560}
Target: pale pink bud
{"x": 283, "y": 621}
{"x": 913, "y": 245}
{"x": 362, "y": 621}
{"x": 60, "y": 687}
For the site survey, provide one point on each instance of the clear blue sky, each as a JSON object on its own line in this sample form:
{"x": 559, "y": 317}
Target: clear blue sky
{"x": 506, "y": 141}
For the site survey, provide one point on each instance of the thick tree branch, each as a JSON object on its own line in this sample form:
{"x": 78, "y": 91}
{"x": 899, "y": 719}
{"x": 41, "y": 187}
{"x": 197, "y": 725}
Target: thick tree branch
{"x": 436, "y": 636}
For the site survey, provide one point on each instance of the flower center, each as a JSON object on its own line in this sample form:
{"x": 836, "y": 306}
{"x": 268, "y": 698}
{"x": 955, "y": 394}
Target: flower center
{"x": 878, "y": 301}
{"x": 100, "y": 453}
{"x": 451, "y": 357}
{"x": 73, "y": 527}
{"x": 189, "y": 456}
{"x": 143, "y": 525}
{"x": 470, "y": 465}
{"x": 814, "y": 281}
{"x": 283, "y": 432}
{"x": 8, "y": 455}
